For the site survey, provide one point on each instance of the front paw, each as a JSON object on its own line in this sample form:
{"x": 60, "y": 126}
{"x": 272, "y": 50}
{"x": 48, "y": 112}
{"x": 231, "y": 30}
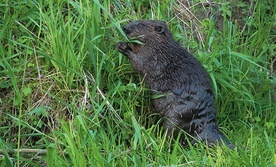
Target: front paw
{"x": 122, "y": 47}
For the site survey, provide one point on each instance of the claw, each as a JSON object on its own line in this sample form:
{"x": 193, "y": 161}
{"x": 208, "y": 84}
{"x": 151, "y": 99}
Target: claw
{"x": 121, "y": 47}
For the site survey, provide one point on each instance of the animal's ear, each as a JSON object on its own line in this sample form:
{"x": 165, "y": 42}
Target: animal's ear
{"x": 159, "y": 29}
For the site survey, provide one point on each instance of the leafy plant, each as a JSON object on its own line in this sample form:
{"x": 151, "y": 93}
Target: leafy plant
{"x": 68, "y": 98}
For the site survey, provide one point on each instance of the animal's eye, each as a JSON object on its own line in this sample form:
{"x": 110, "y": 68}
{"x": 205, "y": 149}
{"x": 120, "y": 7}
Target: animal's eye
{"x": 159, "y": 29}
{"x": 140, "y": 25}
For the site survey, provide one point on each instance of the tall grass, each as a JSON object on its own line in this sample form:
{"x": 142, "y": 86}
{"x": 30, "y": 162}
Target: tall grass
{"x": 67, "y": 98}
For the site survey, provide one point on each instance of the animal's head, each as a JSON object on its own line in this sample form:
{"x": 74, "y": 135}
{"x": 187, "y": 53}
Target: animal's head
{"x": 156, "y": 40}
{"x": 148, "y": 31}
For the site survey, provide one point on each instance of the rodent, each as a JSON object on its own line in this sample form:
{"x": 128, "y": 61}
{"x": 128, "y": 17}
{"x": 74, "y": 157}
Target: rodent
{"x": 186, "y": 99}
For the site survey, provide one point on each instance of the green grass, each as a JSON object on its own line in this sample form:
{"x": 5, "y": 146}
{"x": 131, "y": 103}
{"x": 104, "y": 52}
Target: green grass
{"x": 64, "y": 89}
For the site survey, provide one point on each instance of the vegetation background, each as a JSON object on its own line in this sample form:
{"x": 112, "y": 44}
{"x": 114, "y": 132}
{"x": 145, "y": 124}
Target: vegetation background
{"x": 67, "y": 98}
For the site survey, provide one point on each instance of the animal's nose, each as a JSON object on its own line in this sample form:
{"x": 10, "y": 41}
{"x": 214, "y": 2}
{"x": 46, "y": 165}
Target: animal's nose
{"x": 127, "y": 29}
{"x": 124, "y": 29}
